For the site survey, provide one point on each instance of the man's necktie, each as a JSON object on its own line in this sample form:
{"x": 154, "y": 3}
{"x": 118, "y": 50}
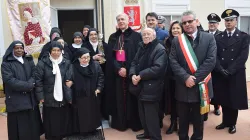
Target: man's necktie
{"x": 229, "y": 34}
{"x": 192, "y": 36}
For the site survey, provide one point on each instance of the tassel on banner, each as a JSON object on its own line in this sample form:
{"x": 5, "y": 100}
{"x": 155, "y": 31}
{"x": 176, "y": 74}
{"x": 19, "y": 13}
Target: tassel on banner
{"x": 204, "y": 109}
{"x": 204, "y": 106}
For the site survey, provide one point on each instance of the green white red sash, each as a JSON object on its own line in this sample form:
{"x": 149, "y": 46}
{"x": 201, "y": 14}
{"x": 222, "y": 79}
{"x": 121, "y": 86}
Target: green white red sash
{"x": 193, "y": 65}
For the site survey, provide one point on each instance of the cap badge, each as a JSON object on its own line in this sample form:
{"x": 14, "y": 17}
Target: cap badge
{"x": 228, "y": 12}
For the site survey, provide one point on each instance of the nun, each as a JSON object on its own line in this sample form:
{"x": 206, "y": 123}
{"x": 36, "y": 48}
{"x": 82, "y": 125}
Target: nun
{"x": 88, "y": 81}
{"x": 55, "y": 32}
{"x": 23, "y": 119}
{"x": 77, "y": 42}
{"x": 93, "y": 45}
{"x": 101, "y": 52}
{"x": 53, "y": 76}
{"x": 85, "y": 30}
{"x": 65, "y": 51}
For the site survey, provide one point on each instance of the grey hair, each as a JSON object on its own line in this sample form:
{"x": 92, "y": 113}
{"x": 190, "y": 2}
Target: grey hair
{"x": 187, "y": 13}
{"x": 151, "y": 30}
{"x": 122, "y": 14}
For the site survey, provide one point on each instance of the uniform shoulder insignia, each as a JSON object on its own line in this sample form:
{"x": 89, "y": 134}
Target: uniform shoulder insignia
{"x": 219, "y": 34}
{"x": 243, "y": 32}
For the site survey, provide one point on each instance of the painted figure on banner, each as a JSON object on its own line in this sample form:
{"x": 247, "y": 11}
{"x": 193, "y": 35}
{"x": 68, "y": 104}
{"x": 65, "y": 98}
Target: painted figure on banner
{"x": 131, "y": 14}
{"x": 30, "y": 19}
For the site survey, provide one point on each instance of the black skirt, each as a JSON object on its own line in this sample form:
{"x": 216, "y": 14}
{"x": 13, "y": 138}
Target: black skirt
{"x": 57, "y": 121}
{"x": 87, "y": 116}
{"x": 24, "y": 125}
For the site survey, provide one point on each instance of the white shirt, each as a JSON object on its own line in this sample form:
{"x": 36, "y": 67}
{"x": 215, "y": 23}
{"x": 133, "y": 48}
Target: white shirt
{"x": 232, "y": 32}
{"x": 195, "y": 34}
{"x": 212, "y": 32}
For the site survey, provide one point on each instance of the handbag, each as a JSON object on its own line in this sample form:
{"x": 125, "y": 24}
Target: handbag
{"x": 135, "y": 89}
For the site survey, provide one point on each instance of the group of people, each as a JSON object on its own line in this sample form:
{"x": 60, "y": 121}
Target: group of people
{"x": 133, "y": 80}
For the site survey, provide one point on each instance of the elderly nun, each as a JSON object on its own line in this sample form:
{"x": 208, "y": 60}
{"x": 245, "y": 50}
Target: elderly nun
{"x": 88, "y": 84}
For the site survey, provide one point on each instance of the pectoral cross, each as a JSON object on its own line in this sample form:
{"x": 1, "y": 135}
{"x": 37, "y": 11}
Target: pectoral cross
{"x": 120, "y": 51}
{"x": 121, "y": 48}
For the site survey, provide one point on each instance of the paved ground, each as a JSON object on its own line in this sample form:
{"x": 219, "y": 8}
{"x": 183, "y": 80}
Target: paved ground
{"x": 243, "y": 128}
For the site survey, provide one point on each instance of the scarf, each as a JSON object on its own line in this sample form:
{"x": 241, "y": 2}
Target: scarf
{"x": 94, "y": 45}
{"x": 145, "y": 53}
{"x": 84, "y": 79}
{"x": 77, "y": 45}
{"x": 58, "y": 91}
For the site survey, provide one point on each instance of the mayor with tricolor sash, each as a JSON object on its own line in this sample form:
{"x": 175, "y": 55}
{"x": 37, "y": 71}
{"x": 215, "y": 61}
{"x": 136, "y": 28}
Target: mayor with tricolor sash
{"x": 192, "y": 58}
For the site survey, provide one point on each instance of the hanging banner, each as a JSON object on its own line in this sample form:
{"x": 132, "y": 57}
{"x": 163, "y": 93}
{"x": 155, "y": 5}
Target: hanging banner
{"x": 133, "y": 13}
{"x": 30, "y": 23}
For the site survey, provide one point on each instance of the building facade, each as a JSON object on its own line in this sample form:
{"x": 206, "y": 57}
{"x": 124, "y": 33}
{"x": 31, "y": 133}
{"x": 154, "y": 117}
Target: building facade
{"x": 72, "y": 15}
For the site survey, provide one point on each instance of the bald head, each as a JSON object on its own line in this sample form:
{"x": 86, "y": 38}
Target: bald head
{"x": 122, "y": 21}
{"x": 148, "y": 35}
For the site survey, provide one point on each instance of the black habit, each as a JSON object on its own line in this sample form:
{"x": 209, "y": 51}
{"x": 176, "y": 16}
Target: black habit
{"x": 104, "y": 100}
{"x": 23, "y": 120}
{"x": 87, "y": 80}
{"x": 123, "y": 105}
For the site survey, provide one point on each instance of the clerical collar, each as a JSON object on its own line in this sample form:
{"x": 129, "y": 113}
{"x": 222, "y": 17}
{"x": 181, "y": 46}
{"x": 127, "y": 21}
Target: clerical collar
{"x": 232, "y": 32}
{"x": 124, "y": 30}
{"x": 84, "y": 65}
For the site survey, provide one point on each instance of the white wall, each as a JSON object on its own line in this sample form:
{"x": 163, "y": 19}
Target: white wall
{"x": 204, "y": 7}
{"x": 170, "y": 7}
{"x": 73, "y": 4}
{"x": 111, "y": 9}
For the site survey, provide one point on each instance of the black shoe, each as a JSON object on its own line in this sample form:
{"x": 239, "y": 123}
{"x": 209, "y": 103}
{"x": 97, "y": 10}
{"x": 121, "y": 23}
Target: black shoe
{"x": 136, "y": 129}
{"x": 142, "y": 136}
{"x": 205, "y": 117}
{"x": 232, "y": 129}
{"x": 221, "y": 126}
{"x": 217, "y": 112}
{"x": 172, "y": 127}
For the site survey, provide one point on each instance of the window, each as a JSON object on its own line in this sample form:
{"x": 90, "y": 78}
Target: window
{"x": 171, "y": 18}
{"x": 244, "y": 24}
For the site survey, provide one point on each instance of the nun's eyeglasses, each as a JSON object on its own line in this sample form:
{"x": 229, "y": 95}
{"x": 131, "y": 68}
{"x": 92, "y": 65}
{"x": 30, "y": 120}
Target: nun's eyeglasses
{"x": 85, "y": 57}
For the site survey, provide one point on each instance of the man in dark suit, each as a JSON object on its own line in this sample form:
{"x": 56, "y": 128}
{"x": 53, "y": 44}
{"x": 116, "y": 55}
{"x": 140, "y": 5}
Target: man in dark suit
{"x": 201, "y": 49}
{"x": 229, "y": 76}
{"x": 213, "y": 23}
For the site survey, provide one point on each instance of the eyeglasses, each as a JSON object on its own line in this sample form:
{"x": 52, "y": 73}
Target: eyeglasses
{"x": 189, "y": 22}
{"x": 85, "y": 57}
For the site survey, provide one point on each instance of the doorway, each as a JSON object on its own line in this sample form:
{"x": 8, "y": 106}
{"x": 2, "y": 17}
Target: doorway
{"x": 71, "y": 21}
